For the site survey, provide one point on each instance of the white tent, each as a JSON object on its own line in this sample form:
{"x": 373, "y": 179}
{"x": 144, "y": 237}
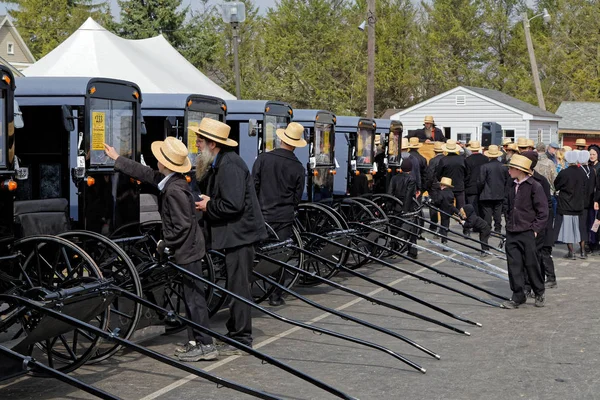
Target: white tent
{"x": 151, "y": 63}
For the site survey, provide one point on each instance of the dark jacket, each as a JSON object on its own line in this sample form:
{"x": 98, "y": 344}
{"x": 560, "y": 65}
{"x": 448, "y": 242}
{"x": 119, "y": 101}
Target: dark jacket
{"x": 422, "y": 165}
{"x": 404, "y": 188}
{"x": 526, "y": 210}
{"x": 359, "y": 185}
{"x": 549, "y": 233}
{"x": 444, "y": 200}
{"x": 452, "y": 166}
{"x": 279, "y": 183}
{"x": 492, "y": 180}
{"x": 379, "y": 179}
{"x": 589, "y": 177}
{"x": 180, "y": 231}
{"x": 473, "y": 221}
{"x": 571, "y": 187}
{"x": 438, "y": 136}
{"x": 432, "y": 184}
{"x": 415, "y": 172}
{"x": 473, "y": 165}
{"x": 233, "y": 213}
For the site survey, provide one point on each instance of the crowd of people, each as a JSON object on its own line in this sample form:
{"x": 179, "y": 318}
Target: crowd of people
{"x": 546, "y": 194}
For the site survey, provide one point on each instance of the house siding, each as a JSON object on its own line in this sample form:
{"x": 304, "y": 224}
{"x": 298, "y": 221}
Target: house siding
{"x": 546, "y": 131}
{"x": 6, "y": 36}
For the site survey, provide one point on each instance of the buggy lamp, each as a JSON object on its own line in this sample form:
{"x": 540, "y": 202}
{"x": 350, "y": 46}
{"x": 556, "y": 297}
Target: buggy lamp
{"x": 389, "y": 170}
{"x": 136, "y": 94}
{"x": 188, "y": 179}
{"x": 316, "y": 173}
{"x": 372, "y": 172}
{"x": 6, "y": 79}
{"x": 189, "y": 103}
{"x": 233, "y": 12}
{"x": 9, "y": 184}
{"x": 357, "y": 173}
{"x": 90, "y": 181}
{"x": 93, "y": 90}
{"x": 332, "y": 171}
{"x": 397, "y": 169}
{"x": 223, "y": 107}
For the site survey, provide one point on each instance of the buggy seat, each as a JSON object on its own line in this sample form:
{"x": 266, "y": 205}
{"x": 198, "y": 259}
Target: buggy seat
{"x": 41, "y": 217}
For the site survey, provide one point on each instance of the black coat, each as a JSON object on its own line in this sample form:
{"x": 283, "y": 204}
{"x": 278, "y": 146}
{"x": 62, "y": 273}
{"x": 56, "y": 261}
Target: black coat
{"x": 233, "y": 213}
{"x": 570, "y": 185}
{"x": 279, "y": 183}
{"x": 438, "y": 136}
{"x": 404, "y": 188}
{"x": 415, "y": 172}
{"x": 589, "y": 177}
{"x": 180, "y": 231}
{"x": 549, "y": 233}
{"x": 444, "y": 200}
{"x": 422, "y": 164}
{"x": 453, "y": 166}
{"x": 432, "y": 183}
{"x": 475, "y": 222}
{"x": 492, "y": 180}
{"x": 473, "y": 165}
{"x": 526, "y": 210}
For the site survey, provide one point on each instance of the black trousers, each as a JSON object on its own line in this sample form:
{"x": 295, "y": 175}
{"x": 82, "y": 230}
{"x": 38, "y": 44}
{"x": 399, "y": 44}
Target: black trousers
{"x": 459, "y": 197}
{"x": 545, "y": 257}
{"x": 433, "y": 214}
{"x": 195, "y": 303}
{"x": 284, "y": 232}
{"x": 446, "y": 225}
{"x": 522, "y": 263}
{"x": 239, "y": 262}
{"x": 473, "y": 199}
{"x": 484, "y": 236}
{"x": 492, "y": 209}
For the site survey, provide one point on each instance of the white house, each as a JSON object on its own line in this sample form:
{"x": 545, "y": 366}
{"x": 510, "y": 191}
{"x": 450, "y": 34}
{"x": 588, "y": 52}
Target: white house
{"x": 461, "y": 111}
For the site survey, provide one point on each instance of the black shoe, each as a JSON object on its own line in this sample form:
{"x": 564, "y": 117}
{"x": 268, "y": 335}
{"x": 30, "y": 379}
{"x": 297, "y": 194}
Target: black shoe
{"x": 570, "y": 256}
{"x": 276, "y": 300}
{"x": 200, "y": 352}
{"x": 582, "y": 255}
{"x": 529, "y": 294}
{"x": 228, "y": 350}
{"x": 510, "y": 304}
{"x": 484, "y": 254}
{"x": 550, "y": 284}
{"x": 413, "y": 256}
{"x": 540, "y": 300}
{"x": 182, "y": 348}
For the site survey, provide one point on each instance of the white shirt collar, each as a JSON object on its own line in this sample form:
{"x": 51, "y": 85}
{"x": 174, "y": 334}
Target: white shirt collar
{"x": 161, "y": 184}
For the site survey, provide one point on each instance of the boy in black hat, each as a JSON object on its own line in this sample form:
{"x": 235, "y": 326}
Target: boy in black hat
{"x": 404, "y": 187}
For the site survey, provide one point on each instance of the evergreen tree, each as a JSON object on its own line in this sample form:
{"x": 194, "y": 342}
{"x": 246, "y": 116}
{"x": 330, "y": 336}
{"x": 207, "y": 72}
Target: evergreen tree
{"x": 141, "y": 19}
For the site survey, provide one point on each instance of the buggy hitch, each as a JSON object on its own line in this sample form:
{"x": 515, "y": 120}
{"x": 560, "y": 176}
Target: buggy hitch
{"x": 441, "y": 273}
{"x": 265, "y": 359}
{"x": 347, "y": 290}
{"x": 403, "y": 221}
{"x": 30, "y": 364}
{"x": 140, "y": 349}
{"x": 298, "y": 323}
{"x": 78, "y": 290}
{"x": 453, "y": 260}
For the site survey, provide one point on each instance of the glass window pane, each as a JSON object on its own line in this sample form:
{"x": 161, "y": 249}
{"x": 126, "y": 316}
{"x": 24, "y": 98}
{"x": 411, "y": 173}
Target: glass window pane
{"x": 272, "y": 123}
{"x": 2, "y": 128}
{"x": 393, "y": 147}
{"x": 193, "y": 120}
{"x": 111, "y": 122}
{"x": 324, "y": 143}
{"x": 364, "y": 146}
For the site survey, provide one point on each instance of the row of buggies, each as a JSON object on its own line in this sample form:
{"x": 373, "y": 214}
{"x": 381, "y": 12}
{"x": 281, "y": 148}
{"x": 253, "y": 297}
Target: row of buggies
{"x": 80, "y": 275}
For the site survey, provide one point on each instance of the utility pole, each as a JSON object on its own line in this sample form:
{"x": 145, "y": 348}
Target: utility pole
{"x": 534, "y": 67}
{"x": 236, "y": 61}
{"x": 371, "y": 58}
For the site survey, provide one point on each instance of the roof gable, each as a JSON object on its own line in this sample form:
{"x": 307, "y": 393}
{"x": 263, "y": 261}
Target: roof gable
{"x": 6, "y": 21}
{"x": 579, "y": 115}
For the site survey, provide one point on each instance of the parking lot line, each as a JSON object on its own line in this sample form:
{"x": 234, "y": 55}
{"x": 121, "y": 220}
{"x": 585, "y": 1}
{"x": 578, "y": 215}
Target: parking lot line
{"x": 272, "y": 339}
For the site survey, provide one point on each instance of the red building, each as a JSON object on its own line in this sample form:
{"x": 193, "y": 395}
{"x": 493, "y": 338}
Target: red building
{"x": 580, "y": 119}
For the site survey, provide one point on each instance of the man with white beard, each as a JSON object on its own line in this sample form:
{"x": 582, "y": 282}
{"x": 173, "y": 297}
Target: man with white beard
{"x": 233, "y": 217}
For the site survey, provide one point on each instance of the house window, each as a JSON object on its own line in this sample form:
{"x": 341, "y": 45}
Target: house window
{"x": 463, "y": 137}
{"x": 461, "y": 100}
{"x": 509, "y": 133}
{"x": 10, "y": 48}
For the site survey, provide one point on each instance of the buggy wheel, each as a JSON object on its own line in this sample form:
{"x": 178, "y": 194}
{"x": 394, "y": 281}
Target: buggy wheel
{"x": 43, "y": 265}
{"x": 381, "y": 223}
{"x": 116, "y": 265}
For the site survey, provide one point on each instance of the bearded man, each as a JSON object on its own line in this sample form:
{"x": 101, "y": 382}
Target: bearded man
{"x": 232, "y": 213}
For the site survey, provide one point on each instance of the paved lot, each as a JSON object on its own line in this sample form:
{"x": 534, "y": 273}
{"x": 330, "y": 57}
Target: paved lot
{"x": 529, "y": 353}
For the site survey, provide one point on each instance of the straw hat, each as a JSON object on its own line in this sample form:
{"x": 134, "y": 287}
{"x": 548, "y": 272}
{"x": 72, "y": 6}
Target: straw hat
{"x": 404, "y": 144}
{"x": 522, "y": 142}
{"x": 428, "y": 120}
{"x": 446, "y": 182}
{"x": 512, "y": 147}
{"x": 580, "y": 142}
{"x": 437, "y": 147}
{"x": 520, "y": 162}
{"x": 451, "y": 146}
{"x": 567, "y": 148}
{"x": 377, "y": 140}
{"x": 530, "y": 143}
{"x": 214, "y": 130}
{"x": 492, "y": 152}
{"x": 413, "y": 143}
{"x": 506, "y": 141}
{"x": 292, "y": 135}
{"x": 172, "y": 153}
{"x": 474, "y": 145}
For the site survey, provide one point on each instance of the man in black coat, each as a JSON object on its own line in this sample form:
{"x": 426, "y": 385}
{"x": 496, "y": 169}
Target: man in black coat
{"x": 453, "y": 166}
{"x": 413, "y": 150}
{"x": 180, "y": 233}
{"x": 233, "y": 216}
{"x": 414, "y": 171}
{"x": 429, "y": 133}
{"x": 279, "y": 183}
{"x": 444, "y": 200}
{"x": 432, "y": 184}
{"x": 404, "y": 188}
{"x": 490, "y": 185}
{"x": 526, "y": 210}
{"x": 472, "y": 221}
{"x": 473, "y": 165}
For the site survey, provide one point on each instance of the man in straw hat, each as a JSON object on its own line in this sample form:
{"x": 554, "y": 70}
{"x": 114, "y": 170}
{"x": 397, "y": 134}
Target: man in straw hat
{"x": 180, "y": 233}
{"x": 473, "y": 165}
{"x": 432, "y": 184}
{"x": 490, "y": 186}
{"x": 445, "y": 201}
{"x": 511, "y": 150}
{"x": 429, "y": 132}
{"x": 415, "y": 172}
{"x": 231, "y": 210}
{"x": 279, "y": 183}
{"x": 526, "y": 210}
{"x": 453, "y": 167}
{"x": 413, "y": 150}
{"x": 580, "y": 144}
{"x": 522, "y": 144}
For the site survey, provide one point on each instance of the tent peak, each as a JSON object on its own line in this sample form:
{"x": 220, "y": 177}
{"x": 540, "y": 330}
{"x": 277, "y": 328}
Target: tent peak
{"x": 91, "y": 25}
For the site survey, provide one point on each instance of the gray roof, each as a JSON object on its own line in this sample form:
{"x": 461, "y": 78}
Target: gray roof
{"x": 512, "y": 102}
{"x": 579, "y": 115}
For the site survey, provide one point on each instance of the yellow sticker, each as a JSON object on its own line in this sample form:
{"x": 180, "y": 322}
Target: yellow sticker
{"x": 269, "y": 139}
{"x": 326, "y": 142}
{"x": 359, "y": 145}
{"x": 98, "y": 130}
{"x": 192, "y": 137}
